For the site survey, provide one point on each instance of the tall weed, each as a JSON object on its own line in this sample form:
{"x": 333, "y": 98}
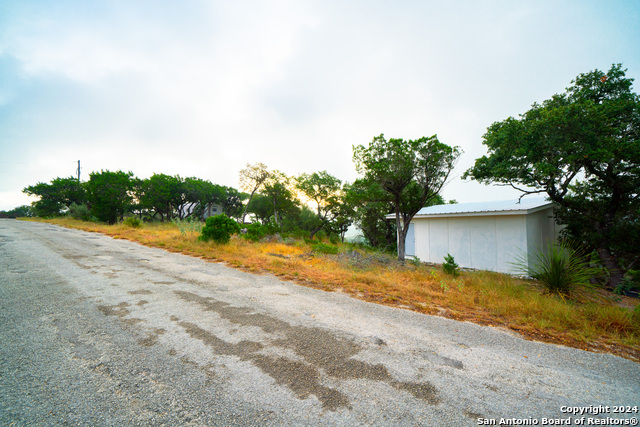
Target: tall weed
{"x": 187, "y": 225}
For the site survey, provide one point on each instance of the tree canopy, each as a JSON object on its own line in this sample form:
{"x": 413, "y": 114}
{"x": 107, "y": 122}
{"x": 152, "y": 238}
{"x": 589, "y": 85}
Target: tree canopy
{"x": 163, "y": 194}
{"x": 110, "y": 194}
{"x": 325, "y": 190}
{"x": 411, "y": 172}
{"x": 582, "y": 149}
{"x": 18, "y": 212}
{"x": 370, "y": 205}
{"x": 251, "y": 179}
{"x": 277, "y": 187}
{"x": 60, "y": 194}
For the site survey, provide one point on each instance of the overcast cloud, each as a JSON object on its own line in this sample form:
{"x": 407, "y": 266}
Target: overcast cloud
{"x": 200, "y": 88}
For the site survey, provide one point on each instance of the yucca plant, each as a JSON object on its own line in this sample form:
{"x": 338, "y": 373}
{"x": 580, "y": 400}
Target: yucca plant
{"x": 560, "y": 269}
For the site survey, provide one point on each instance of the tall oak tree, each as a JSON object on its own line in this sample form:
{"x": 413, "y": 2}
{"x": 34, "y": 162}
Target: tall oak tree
{"x": 582, "y": 149}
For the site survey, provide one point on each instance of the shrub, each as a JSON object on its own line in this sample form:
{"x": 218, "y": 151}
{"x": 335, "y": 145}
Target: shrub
{"x": 132, "y": 222}
{"x": 450, "y": 266}
{"x": 630, "y": 284}
{"x": 320, "y": 235}
{"x": 254, "y": 232}
{"x": 219, "y": 228}
{"x": 80, "y": 212}
{"x": 560, "y": 268}
{"x": 324, "y": 248}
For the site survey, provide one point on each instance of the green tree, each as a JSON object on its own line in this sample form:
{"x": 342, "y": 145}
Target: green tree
{"x": 56, "y": 196}
{"x": 110, "y": 194}
{"x": 163, "y": 194}
{"x": 412, "y": 172}
{"x": 19, "y": 212}
{"x": 344, "y": 218}
{"x": 370, "y": 205}
{"x": 325, "y": 191}
{"x": 251, "y": 179}
{"x": 582, "y": 149}
{"x": 278, "y": 189}
{"x": 261, "y": 207}
{"x": 197, "y": 194}
{"x": 299, "y": 218}
{"x": 231, "y": 201}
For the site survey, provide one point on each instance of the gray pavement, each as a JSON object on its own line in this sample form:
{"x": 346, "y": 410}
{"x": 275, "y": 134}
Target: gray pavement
{"x": 98, "y": 331}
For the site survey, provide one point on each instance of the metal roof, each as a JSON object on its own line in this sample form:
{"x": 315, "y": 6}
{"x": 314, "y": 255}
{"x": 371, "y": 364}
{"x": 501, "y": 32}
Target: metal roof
{"x": 504, "y": 207}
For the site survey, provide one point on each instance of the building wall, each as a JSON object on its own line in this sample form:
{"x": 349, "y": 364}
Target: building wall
{"x": 491, "y": 242}
{"x": 212, "y": 209}
{"x": 541, "y": 228}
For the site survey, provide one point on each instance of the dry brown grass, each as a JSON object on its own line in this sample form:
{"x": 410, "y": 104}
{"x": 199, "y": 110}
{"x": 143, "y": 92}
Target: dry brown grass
{"x": 591, "y": 320}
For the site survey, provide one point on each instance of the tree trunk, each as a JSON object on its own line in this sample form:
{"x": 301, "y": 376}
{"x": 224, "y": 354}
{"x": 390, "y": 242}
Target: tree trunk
{"x": 402, "y": 235}
{"x": 244, "y": 211}
{"x": 313, "y": 233}
{"x": 275, "y": 213}
{"x": 610, "y": 262}
{"x": 616, "y": 275}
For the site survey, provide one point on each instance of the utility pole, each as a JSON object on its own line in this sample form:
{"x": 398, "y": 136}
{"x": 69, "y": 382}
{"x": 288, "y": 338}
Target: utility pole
{"x": 78, "y": 172}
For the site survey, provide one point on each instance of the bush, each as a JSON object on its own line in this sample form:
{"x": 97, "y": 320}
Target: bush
{"x": 132, "y": 222}
{"x": 324, "y": 248}
{"x": 450, "y": 266}
{"x": 560, "y": 268}
{"x": 80, "y": 212}
{"x": 254, "y": 232}
{"x": 219, "y": 228}
{"x": 630, "y": 284}
{"x": 320, "y": 235}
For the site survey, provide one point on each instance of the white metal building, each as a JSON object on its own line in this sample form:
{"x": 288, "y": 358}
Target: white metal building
{"x": 485, "y": 236}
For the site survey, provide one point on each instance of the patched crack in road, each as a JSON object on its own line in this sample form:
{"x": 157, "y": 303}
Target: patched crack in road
{"x": 320, "y": 349}
{"x": 97, "y": 331}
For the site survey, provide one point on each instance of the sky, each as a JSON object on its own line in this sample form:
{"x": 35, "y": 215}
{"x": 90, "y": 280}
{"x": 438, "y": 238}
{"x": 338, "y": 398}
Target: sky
{"x": 201, "y": 88}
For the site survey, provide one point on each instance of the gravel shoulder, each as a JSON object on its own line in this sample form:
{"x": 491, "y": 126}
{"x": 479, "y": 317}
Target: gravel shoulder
{"x": 97, "y": 331}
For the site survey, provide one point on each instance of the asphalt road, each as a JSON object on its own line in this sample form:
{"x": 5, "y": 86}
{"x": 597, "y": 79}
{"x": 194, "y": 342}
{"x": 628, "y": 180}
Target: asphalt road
{"x": 96, "y": 331}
